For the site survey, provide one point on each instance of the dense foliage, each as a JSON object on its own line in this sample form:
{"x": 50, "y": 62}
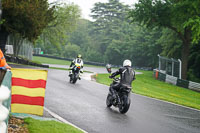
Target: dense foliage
{"x": 182, "y": 17}
{"x": 24, "y": 19}
{"x": 120, "y": 32}
{"x": 27, "y": 18}
{"x": 54, "y": 37}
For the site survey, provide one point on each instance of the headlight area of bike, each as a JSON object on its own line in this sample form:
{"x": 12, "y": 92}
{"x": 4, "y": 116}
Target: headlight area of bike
{"x": 77, "y": 67}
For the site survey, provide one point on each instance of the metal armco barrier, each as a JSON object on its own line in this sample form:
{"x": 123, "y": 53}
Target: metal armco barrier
{"x": 176, "y": 81}
{"x": 161, "y": 76}
{"x": 5, "y": 101}
{"x": 194, "y": 86}
{"x": 182, "y": 83}
{"x": 170, "y": 79}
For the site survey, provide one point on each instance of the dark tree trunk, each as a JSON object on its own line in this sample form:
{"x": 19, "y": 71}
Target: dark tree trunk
{"x": 185, "y": 56}
{"x": 3, "y": 38}
{"x": 185, "y": 53}
{"x": 186, "y": 39}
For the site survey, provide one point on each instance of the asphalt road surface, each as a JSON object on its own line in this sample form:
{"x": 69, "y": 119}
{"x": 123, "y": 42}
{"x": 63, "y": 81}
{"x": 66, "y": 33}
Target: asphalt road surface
{"x": 84, "y": 105}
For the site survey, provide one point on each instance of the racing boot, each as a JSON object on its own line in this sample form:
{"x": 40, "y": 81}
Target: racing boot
{"x": 70, "y": 73}
{"x": 79, "y": 76}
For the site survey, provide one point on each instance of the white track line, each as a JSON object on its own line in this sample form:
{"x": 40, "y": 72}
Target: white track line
{"x": 154, "y": 98}
{"x": 167, "y": 102}
{"x": 62, "y": 119}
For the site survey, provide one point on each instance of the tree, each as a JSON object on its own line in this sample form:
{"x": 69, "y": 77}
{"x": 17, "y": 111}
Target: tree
{"x": 25, "y": 17}
{"x": 108, "y": 20}
{"x": 93, "y": 55}
{"x": 171, "y": 14}
{"x": 171, "y": 44}
{"x": 56, "y": 34}
{"x": 0, "y": 13}
{"x": 71, "y": 51}
{"x": 80, "y": 36}
{"x": 108, "y": 15}
{"x": 116, "y": 39}
{"x": 194, "y": 18}
{"x": 194, "y": 62}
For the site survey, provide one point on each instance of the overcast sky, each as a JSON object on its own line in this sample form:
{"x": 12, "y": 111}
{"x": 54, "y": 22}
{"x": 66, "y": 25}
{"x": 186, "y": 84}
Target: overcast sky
{"x": 86, "y": 5}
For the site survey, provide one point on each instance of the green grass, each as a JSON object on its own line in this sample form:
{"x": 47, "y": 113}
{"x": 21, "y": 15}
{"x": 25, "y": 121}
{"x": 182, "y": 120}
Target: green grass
{"x": 45, "y": 60}
{"x": 58, "y": 68}
{"x": 146, "y": 85}
{"x": 37, "y": 126}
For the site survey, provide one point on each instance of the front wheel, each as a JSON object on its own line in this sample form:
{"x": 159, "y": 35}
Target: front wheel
{"x": 108, "y": 100}
{"x": 125, "y": 104}
{"x": 70, "y": 78}
{"x": 74, "y": 79}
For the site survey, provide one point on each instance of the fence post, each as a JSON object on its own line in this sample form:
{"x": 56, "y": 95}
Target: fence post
{"x": 159, "y": 63}
{"x": 172, "y": 67}
{"x": 180, "y": 63}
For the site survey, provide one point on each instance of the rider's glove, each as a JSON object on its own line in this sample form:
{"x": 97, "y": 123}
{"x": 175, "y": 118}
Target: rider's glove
{"x": 110, "y": 76}
{"x": 81, "y": 71}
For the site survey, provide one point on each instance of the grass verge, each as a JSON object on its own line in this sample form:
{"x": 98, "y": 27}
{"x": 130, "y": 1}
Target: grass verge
{"x": 146, "y": 85}
{"x": 37, "y": 126}
{"x": 45, "y": 60}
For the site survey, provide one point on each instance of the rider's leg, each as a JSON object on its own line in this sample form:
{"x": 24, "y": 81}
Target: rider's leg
{"x": 70, "y": 70}
{"x": 113, "y": 92}
{"x": 116, "y": 87}
{"x": 79, "y": 76}
{"x": 113, "y": 89}
{"x": 80, "y": 73}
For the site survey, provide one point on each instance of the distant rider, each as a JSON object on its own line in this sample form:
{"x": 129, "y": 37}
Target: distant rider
{"x": 78, "y": 61}
{"x": 127, "y": 75}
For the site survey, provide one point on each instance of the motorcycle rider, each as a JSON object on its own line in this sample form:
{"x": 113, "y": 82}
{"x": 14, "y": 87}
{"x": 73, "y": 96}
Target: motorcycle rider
{"x": 78, "y": 61}
{"x": 127, "y": 75}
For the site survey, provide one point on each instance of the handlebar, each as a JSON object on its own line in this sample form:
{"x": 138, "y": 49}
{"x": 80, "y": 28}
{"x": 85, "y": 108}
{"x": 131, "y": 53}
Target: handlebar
{"x": 118, "y": 78}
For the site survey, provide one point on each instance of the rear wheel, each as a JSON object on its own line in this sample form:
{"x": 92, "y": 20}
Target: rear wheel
{"x": 108, "y": 100}
{"x": 125, "y": 104}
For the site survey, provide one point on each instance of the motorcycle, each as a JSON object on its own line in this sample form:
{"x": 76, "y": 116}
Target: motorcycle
{"x": 75, "y": 73}
{"x": 122, "y": 100}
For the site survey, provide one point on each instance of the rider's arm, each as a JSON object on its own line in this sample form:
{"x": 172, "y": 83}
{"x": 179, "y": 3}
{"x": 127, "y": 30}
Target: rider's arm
{"x": 72, "y": 63}
{"x": 82, "y": 64}
{"x": 117, "y": 73}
